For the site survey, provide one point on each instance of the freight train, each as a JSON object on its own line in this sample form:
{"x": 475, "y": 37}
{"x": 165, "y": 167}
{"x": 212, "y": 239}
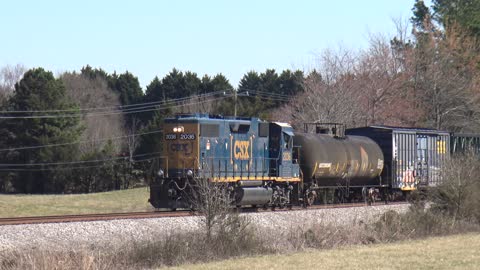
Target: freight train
{"x": 269, "y": 164}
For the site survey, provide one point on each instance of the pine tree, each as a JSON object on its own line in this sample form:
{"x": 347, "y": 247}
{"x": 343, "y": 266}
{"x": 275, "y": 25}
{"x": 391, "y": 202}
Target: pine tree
{"x": 40, "y": 91}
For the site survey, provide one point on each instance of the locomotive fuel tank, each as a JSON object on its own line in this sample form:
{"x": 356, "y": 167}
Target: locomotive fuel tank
{"x": 339, "y": 161}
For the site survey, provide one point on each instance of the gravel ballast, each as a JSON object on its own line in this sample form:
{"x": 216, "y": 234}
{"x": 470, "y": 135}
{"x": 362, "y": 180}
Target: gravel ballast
{"x": 115, "y": 233}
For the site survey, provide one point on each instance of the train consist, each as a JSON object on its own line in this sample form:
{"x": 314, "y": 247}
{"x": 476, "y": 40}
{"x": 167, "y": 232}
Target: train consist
{"x": 269, "y": 164}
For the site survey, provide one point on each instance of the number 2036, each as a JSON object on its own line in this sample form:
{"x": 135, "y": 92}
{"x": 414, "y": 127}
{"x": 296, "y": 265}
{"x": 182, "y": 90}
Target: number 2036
{"x": 184, "y": 136}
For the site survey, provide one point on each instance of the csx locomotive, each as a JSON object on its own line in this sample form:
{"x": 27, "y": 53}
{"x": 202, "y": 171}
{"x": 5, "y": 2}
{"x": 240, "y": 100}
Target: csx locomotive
{"x": 270, "y": 164}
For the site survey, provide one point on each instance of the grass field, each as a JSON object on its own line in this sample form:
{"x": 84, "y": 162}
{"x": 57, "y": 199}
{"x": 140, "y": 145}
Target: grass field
{"x": 452, "y": 252}
{"x": 105, "y": 202}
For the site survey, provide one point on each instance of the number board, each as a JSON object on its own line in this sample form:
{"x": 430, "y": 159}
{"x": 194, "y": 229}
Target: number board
{"x": 187, "y": 136}
{"x": 170, "y": 136}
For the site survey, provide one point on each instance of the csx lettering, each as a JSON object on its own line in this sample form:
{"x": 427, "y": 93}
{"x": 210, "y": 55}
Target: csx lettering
{"x": 241, "y": 150}
{"x": 179, "y": 147}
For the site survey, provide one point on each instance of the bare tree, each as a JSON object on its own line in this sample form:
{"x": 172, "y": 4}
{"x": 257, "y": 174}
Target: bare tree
{"x": 132, "y": 142}
{"x": 330, "y": 95}
{"x": 447, "y": 78}
{"x": 214, "y": 201}
{"x": 104, "y": 135}
{"x": 9, "y": 76}
{"x": 95, "y": 93}
{"x": 378, "y": 75}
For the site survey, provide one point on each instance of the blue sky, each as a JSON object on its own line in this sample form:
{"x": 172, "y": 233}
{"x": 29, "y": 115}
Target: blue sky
{"x": 149, "y": 38}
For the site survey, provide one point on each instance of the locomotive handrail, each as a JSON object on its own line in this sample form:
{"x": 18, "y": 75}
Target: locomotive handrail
{"x": 212, "y": 166}
{"x": 334, "y": 129}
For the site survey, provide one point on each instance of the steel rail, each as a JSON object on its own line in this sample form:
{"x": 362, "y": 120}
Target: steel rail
{"x": 91, "y": 217}
{"x": 165, "y": 214}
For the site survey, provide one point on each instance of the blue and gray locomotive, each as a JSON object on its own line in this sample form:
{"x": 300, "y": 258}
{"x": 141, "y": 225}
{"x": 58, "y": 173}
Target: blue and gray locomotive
{"x": 264, "y": 163}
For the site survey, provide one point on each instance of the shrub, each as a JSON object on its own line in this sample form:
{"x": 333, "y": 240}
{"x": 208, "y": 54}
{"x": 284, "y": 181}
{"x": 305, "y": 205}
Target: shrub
{"x": 458, "y": 196}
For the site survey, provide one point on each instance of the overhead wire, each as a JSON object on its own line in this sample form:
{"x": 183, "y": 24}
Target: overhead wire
{"x": 71, "y": 168}
{"x": 81, "y": 142}
{"x": 140, "y": 107}
{"x": 132, "y": 111}
{"x": 71, "y": 162}
{"x": 119, "y": 107}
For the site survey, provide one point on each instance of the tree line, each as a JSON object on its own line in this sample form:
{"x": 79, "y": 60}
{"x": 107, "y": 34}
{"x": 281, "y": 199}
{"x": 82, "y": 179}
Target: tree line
{"x": 88, "y": 130}
{"x": 91, "y": 131}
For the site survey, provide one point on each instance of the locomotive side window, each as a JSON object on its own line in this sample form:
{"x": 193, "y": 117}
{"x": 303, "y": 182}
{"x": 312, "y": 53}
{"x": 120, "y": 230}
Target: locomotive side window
{"x": 239, "y": 128}
{"x": 209, "y": 130}
{"x": 263, "y": 129}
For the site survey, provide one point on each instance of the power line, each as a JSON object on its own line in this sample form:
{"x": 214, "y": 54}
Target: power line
{"x": 265, "y": 92}
{"x": 70, "y": 168}
{"x": 80, "y": 142}
{"x": 72, "y": 162}
{"x": 109, "y": 113}
{"x": 138, "y": 108}
{"x": 119, "y": 107}
{"x": 263, "y": 95}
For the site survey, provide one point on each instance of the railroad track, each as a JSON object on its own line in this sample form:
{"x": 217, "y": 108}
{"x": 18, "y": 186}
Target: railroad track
{"x": 159, "y": 214}
{"x": 90, "y": 217}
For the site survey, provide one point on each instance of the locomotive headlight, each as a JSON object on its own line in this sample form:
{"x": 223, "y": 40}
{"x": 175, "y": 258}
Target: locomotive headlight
{"x": 190, "y": 174}
{"x": 160, "y": 173}
{"x": 178, "y": 129}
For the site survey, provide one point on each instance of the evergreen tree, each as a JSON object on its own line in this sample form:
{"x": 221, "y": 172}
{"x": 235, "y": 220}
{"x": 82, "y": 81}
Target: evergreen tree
{"x": 220, "y": 83}
{"x": 250, "y": 104}
{"x": 421, "y": 14}
{"x": 93, "y": 74}
{"x": 128, "y": 87}
{"x": 173, "y": 85}
{"x": 465, "y": 13}
{"x": 153, "y": 91}
{"x": 206, "y": 84}
{"x": 250, "y": 81}
{"x": 37, "y": 91}
{"x": 290, "y": 82}
{"x": 192, "y": 84}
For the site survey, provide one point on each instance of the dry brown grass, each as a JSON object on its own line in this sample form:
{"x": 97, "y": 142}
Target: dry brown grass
{"x": 104, "y": 202}
{"x": 453, "y": 252}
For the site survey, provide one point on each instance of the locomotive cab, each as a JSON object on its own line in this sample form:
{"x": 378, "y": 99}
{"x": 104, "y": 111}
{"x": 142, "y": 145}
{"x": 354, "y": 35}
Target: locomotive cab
{"x": 282, "y": 163}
